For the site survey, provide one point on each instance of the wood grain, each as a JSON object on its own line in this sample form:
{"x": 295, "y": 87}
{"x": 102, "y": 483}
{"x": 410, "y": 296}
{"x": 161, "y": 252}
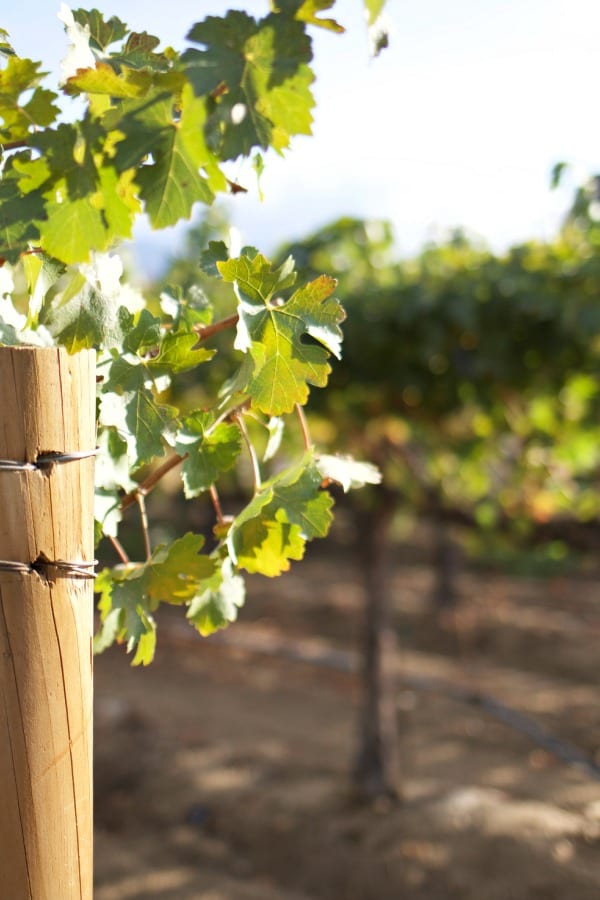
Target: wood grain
{"x": 47, "y": 403}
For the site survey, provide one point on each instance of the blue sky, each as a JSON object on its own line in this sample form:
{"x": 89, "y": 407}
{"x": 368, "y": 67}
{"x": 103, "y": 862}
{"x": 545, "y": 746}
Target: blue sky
{"x": 458, "y": 123}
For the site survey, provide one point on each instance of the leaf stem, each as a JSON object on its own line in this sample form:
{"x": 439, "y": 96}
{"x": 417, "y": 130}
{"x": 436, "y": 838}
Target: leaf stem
{"x": 217, "y": 504}
{"x": 14, "y": 145}
{"x": 227, "y": 414}
{"x": 118, "y": 547}
{"x": 149, "y": 483}
{"x": 141, "y": 502}
{"x": 251, "y": 451}
{"x": 304, "y": 426}
{"x": 206, "y": 331}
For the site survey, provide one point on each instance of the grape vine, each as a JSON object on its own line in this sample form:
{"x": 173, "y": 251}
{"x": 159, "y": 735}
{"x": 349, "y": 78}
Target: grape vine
{"x": 154, "y": 138}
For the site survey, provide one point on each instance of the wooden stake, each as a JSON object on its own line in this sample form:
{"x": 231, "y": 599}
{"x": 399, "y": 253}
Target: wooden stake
{"x": 47, "y": 404}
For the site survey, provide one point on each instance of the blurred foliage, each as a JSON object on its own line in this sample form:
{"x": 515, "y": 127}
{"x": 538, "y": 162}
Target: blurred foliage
{"x": 470, "y": 378}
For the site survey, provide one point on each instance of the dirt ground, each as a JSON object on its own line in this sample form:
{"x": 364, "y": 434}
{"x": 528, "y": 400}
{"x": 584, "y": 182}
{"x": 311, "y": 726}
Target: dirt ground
{"x": 223, "y": 770}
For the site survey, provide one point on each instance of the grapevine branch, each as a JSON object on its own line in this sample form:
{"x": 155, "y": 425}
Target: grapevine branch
{"x": 118, "y": 547}
{"x": 216, "y": 504}
{"x": 206, "y": 331}
{"x": 149, "y": 483}
{"x": 14, "y": 145}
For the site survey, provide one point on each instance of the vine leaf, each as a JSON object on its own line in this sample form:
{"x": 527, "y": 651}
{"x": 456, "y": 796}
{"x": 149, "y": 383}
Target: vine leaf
{"x": 18, "y": 212}
{"x": 308, "y": 11}
{"x": 128, "y": 401}
{"x": 102, "y": 79}
{"x": 183, "y": 171}
{"x": 289, "y": 342}
{"x": 378, "y": 33}
{"x": 178, "y": 352}
{"x": 273, "y": 529}
{"x": 208, "y": 449}
{"x": 258, "y": 74}
{"x": 101, "y": 33}
{"x": 42, "y": 272}
{"x": 6, "y": 48}
{"x": 94, "y": 310}
{"x": 373, "y": 8}
{"x": 129, "y": 595}
{"x": 70, "y": 177}
{"x": 14, "y": 330}
{"x": 23, "y": 104}
{"x": 79, "y": 53}
{"x": 218, "y": 604}
{"x": 128, "y": 404}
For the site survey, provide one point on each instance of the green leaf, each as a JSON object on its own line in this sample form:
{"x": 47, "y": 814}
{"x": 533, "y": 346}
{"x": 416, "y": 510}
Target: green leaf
{"x": 187, "y": 311}
{"x": 112, "y": 466}
{"x": 107, "y": 513}
{"x": 5, "y": 46}
{"x": 126, "y": 84}
{"x": 275, "y": 427}
{"x": 14, "y": 330}
{"x": 18, "y": 213}
{"x": 183, "y": 170}
{"x": 102, "y": 33}
{"x": 275, "y": 333}
{"x": 42, "y": 273}
{"x": 217, "y": 605}
{"x": 118, "y": 202}
{"x": 216, "y": 252}
{"x": 378, "y": 35}
{"x": 73, "y": 221}
{"x": 24, "y": 105}
{"x": 253, "y": 274}
{"x": 138, "y": 418}
{"x": 308, "y": 11}
{"x": 142, "y": 44}
{"x": 11, "y": 321}
{"x": 174, "y": 572}
{"x": 86, "y": 204}
{"x": 93, "y": 313}
{"x": 178, "y": 353}
{"x": 258, "y": 76}
{"x": 9, "y": 336}
{"x": 68, "y": 160}
{"x": 208, "y": 448}
{"x": 273, "y": 529}
{"x": 130, "y": 595}
{"x": 139, "y": 53}
{"x": 142, "y": 333}
{"x": 125, "y": 614}
{"x": 258, "y": 164}
{"x": 73, "y": 230}
{"x": 373, "y": 8}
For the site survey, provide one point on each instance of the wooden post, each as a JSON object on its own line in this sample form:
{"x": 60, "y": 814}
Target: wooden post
{"x": 47, "y": 405}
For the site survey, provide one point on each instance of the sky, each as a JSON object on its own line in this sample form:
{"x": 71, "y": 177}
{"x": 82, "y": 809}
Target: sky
{"x": 458, "y": 123}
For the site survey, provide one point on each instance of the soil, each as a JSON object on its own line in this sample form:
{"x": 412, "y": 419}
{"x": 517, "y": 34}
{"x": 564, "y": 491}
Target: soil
{"x": 223, "y": 771}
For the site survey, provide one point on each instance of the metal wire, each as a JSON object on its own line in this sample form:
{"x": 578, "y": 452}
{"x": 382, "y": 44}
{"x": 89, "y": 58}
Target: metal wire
{"x": 50, "y": 459}
{"x": 9, "y": 465}
{"x": 11, "y": 566}
{"x": 44, "y": 460}
{"x": 76, "y": 568}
